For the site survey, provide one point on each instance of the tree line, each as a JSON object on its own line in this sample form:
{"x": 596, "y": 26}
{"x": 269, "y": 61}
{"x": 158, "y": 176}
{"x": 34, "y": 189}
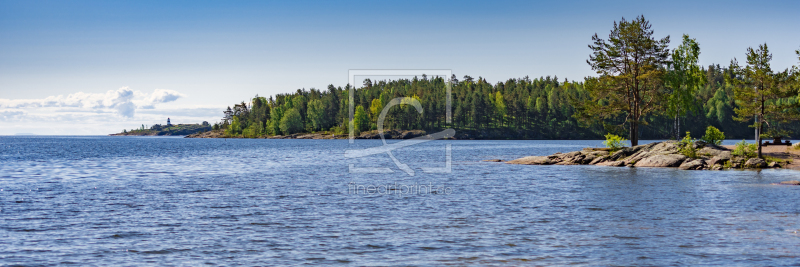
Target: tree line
{"x": 642, "y": 90}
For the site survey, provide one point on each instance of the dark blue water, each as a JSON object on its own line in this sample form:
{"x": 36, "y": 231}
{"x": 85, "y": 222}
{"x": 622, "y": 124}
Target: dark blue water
{"x": 173, "y": 201}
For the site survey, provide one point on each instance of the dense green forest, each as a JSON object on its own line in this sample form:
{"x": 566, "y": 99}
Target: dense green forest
{"x": 521, "y": 108}
{"x": 671, "y": 95}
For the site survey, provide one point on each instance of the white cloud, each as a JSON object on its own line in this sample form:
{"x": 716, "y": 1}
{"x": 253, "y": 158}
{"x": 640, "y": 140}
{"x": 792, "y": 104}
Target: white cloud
{"x": 11, "y": 115}
{"x": 123, "y": 100}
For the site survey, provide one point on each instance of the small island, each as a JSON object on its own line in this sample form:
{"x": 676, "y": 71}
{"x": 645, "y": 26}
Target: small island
{"x": 167, "y": 130}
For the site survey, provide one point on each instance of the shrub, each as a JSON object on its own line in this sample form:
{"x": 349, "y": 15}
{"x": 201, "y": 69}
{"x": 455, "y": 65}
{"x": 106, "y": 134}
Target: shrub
{"x": 745, "y": 150}
{"x": 615, "y": 142}
{"x": 686, "y": 146}
{"x": 713, "y": 136}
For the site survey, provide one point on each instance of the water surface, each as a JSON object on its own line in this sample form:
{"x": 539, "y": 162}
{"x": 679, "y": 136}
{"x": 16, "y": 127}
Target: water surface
{"x": 158, "y": 201}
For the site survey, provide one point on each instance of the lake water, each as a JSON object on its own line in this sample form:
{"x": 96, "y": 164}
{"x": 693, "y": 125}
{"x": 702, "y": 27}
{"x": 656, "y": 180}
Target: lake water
{"x": 174, "y": 201}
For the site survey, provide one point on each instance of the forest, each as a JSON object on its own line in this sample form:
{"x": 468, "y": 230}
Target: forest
{"x": 655, "y": 94}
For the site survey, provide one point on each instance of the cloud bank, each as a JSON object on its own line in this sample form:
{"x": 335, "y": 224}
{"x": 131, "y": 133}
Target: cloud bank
{"x": 123, "y": 101}
{"x": 100, "y": 113}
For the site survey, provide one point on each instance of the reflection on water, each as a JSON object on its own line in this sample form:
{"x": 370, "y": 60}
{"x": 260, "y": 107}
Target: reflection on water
{"x": 119, "y": 200}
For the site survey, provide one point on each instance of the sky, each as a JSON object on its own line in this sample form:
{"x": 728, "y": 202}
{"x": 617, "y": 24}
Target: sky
{"x": 98, "y": 67}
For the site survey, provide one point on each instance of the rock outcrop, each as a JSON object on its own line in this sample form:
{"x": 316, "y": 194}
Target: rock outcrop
{"x": 660, "y": 154}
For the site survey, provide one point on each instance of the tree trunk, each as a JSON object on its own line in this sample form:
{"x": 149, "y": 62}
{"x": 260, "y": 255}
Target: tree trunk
{"x": 760, "y": 126}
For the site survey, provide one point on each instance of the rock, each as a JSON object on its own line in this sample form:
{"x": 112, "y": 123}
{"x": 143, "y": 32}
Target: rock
{"x": 532, "y": 160}
{"x": 598, "y": 159}
{"x": 714, "y": 151}
{"x": 570, "y": 154}
{"x": 407, "y": 135}
{"x": 790, "y": 183}
{"x": 719, "y": 159}
{"x": 774, "y": 165}
{"x": 617, "y": 163}
{"x": 493, "y": 160}
{"x": 587, "y": 159}
{"x": 697, "y": 164}
{"x": 669, "y": 160}
{"x": 755, "y": 163}
{"x": 716, "y": 167}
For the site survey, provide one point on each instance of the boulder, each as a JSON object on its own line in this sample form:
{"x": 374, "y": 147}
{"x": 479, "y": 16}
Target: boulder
{"x": 716, "y": 167}
{"x": 532, "y": 160}
{"x": 669, "y": 160}
{"x": 755, "y": 163}
{"x": 697, "y": 164}
{"x": 714, "y": 151}
{"x": 774, "y": 165}
{"x": 790, "y": 183}
{"x": 719, "y": 159}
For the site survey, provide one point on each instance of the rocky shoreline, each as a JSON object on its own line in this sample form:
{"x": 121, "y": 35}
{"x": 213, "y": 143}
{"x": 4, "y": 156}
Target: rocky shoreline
{"x": 660, "y": 154}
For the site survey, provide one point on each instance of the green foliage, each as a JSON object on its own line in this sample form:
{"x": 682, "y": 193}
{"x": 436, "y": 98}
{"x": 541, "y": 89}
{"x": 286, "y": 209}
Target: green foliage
{"x": 683, "y": 78}
{"x": 713, "y": 136}
{"x": 500, "y": 104}
{"x": 686, "y": 146}
{"x": 630, "y": 65}
{"x": 759, "y": 91}
{"x": 773, "y": 133}
{"x": 630, "y": 102}
{"x": 273, "y": 127}
{"x": 744, "y": 149}
{"x": 316, "y": 114}
{"x": 719, "y": 108}
{"x": 291, "y": 122}
{"x": 360, "y": 120}
{"x": 234, "y": 129}
{"x": 375, "y": 108}
{"x": 615, "y": 142}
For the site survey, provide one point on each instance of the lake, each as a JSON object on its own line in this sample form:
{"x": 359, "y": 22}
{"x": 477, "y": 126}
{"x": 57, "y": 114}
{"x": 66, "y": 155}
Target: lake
{"x": 172, "y": 201}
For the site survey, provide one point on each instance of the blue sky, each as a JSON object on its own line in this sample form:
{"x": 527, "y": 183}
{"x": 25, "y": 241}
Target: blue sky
{"x": 118, "y": 65}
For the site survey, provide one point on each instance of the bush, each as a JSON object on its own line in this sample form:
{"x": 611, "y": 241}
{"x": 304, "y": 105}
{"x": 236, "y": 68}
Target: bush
{"x": 713, "y": 136}
{"x": 745, "y": 150}
{"x": 686, "y": 146}
{"x": 615, "y": 142}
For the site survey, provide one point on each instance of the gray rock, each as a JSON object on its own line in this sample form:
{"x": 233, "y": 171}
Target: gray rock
{"x": 532, "y": 160}
{"x": 714, "y": 151}
{"x": 587, "y": 159}
{"x": 774, "y": 165}
{"x": 598, "y": 160}
{"x": 669, "y": 160}
{"x": 618, "y": 163}
{"x": 755, "y": 163}
{"x": 716, "y": 167}
{"x": 697, "y": 164}
{"x": 719, "y": 159}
